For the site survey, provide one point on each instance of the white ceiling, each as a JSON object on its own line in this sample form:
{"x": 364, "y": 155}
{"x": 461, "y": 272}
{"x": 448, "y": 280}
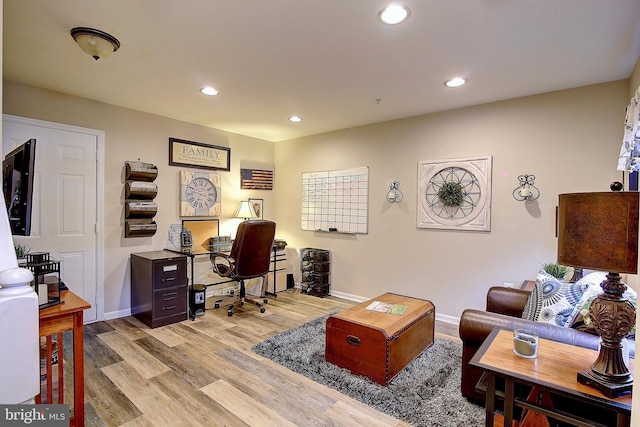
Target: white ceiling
{"x": 325, "y": 60}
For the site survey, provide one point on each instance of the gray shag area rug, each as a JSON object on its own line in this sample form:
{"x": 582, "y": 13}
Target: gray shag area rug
{"x": 426, "y": 393}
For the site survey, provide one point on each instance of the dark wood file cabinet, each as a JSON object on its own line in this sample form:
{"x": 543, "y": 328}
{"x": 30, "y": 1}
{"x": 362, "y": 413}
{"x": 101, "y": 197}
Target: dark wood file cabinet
{"x": 159, "y": 287}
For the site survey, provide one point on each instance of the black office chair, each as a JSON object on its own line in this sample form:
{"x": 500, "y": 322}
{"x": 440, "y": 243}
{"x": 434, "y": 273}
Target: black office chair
{"x": 249, "y": 257}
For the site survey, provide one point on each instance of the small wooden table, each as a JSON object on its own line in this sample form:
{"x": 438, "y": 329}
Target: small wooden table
{"x": 55, "y": 320}
{"x": 554, "y": 371}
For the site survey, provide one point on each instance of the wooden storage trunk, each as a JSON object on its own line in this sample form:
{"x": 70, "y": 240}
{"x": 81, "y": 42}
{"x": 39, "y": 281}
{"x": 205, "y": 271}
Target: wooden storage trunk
{"x": 379, "y": 345}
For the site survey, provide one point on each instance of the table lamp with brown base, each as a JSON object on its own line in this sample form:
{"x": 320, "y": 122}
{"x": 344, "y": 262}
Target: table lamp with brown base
{"x": 599, "y": 231}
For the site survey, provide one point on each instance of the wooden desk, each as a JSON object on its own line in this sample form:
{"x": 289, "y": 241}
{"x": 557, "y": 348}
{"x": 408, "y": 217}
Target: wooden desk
{"x": 554, "y": 371}
{"x": 54, "y": 321}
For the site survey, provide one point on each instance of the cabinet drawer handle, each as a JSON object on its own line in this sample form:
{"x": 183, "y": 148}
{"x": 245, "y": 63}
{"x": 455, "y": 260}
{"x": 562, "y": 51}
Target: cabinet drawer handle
{"x": 170, "y": 296}
{"x": 353, "y": 340}
{"x": 169, "y": 279}
{"x": 169, "y": 307}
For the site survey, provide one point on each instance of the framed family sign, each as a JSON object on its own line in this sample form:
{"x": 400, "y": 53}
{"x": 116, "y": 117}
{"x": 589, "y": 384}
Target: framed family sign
{"x": 198, "y": 155}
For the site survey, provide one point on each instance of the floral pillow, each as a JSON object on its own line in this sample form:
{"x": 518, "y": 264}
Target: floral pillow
{"x": 579, "y": 318}
{"x": 552, "y": 301}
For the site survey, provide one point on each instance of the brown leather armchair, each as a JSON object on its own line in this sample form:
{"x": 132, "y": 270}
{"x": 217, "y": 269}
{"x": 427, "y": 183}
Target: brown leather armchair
{"x": 504, "y": 310}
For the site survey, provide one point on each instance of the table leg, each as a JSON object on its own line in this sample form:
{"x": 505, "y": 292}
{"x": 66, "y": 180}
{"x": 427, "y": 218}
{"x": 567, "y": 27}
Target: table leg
{"x": 623, "y": 419}
{"x": 190, "y": 311}
{"x": 48, "y": 355}
{"x": 78, "y": 369}
{"x": 60, "y": 370}
{"x": 508, "y": 402}
{"x": 490, "y": 397}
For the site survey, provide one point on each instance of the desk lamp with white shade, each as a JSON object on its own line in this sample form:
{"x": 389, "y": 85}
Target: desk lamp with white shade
{"x": 245, "y": 211}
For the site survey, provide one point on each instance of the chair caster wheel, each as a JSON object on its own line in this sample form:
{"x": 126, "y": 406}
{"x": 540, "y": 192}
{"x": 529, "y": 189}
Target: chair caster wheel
{"x": 266, "y": 301}
{"x": 229, "y": 313}
{"x": 262, "y": 310}
{"x": 216, "y": 305}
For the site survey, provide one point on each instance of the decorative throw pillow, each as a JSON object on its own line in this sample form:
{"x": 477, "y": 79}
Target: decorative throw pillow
{"x": 551, "y": 300}
{"x": 579, "y": 318}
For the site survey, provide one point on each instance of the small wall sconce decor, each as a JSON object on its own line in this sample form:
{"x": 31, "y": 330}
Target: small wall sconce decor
{"x": 394, "y": 195}
{"x": 526, "y": 191}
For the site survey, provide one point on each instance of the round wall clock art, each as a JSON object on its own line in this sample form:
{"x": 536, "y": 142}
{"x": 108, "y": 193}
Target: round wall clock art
{"x": 200, "y": 194}
{"x": 455, "y": 194}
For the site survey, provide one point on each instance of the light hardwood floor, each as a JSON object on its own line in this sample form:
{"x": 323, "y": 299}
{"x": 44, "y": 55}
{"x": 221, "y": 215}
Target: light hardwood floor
{"x": 203, "y": 372}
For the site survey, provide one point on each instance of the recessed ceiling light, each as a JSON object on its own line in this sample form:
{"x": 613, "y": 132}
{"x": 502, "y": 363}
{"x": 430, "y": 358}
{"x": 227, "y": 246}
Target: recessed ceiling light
{"x": 455, "y": 82}
{"x": 295, "y": 119}
{"x": 208, "y": 90}
{"x": 394, "y": 14}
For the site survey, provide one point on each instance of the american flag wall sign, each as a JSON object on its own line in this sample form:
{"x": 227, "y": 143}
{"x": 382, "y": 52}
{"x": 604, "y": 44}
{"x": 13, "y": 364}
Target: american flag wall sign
{"x": 256, "y": 179}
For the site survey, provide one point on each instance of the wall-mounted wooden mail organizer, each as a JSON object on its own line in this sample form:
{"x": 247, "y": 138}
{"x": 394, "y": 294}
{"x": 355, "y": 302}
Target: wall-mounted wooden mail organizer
{"x": 139, "y": 192}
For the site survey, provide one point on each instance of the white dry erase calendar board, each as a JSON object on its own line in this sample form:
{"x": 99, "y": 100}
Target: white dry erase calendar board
{"x": 336, "y": 200}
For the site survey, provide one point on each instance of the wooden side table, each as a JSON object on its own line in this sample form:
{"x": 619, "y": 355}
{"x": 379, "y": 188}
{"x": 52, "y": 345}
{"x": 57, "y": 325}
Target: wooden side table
{"x": 553, "y": 371}
{"x": 54, "y": 321}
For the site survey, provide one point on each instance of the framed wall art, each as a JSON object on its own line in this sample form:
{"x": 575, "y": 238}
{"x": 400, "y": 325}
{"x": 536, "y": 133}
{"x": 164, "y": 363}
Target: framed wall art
{"x": 198, "y": 155}
{"x": 257, "y": 205}
{"x": 200, "y": 194}
{"x": 455, "y": 194}
{"x": 256, "y": 179}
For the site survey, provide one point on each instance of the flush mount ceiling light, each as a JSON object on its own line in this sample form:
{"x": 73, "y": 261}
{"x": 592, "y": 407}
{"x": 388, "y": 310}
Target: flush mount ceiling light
{"x": 208, "y": 90}
{"x": 96, "y": 43}
{"x": 295, "y": 119}
{"x": 455, "y": 82}
{"x": 394, "y": 14}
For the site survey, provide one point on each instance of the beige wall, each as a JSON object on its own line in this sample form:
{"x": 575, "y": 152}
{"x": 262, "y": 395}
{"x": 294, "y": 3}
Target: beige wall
{"x": 130, "y": 135}
{"x": 634, "y": 80}
{"x": 634, "y": 83}
{"x": 1, "y": 57}
{"x": 569, "y": 140}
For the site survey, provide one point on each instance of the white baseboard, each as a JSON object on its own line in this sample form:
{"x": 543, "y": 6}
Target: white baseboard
{"x": 450, "y": 320}
{"x": 444, "y": 318}
{"x": 117, "y": 314}
{"x": 349, "y": 297}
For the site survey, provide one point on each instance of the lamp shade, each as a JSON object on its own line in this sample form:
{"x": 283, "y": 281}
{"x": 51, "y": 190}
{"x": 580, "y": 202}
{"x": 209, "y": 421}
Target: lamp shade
{"x": 599, "y": 231}
{"x": 245, "y": 211}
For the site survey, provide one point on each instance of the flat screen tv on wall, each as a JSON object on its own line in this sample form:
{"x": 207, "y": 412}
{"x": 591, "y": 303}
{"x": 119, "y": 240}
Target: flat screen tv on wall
{"x": 17, "y": 186}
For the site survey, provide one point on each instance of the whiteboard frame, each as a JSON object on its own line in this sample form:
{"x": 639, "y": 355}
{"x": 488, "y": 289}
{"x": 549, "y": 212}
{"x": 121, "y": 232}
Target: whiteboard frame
{"x": 314, "y": 200}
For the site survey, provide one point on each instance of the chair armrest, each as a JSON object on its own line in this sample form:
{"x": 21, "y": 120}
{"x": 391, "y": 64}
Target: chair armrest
{"x": 507, "y": 301}
{"x": 475, "y": 326}
{"x": 222, "y": 264}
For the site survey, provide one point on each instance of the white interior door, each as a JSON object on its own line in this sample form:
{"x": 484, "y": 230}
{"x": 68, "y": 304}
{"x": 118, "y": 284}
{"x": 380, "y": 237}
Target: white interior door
{"x": 65, "y": 214}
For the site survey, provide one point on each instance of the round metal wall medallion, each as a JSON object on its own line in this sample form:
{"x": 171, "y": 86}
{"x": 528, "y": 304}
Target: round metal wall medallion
{"x": 455, "y": 194}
